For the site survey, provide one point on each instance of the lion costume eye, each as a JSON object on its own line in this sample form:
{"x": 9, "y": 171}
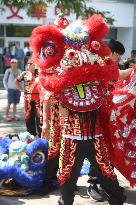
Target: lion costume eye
{"x": 38, "y": 158}
{"x": 47, "y": 51}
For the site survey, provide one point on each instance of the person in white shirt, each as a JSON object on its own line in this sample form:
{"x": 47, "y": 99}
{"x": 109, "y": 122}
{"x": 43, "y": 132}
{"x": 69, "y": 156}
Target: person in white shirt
{"x": 13, "y": 94}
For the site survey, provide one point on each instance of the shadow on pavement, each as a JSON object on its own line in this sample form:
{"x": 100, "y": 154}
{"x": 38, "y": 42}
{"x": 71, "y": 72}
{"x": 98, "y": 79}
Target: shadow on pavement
{"x": 131, "y": 196}
{"x": 10, "y": 201}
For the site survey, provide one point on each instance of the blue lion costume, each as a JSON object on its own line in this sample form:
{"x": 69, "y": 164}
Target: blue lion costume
{"x": 23, "y": 160}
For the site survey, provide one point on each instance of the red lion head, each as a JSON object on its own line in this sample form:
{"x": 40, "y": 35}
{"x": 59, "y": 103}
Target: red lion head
{"x": 74, "y": 62}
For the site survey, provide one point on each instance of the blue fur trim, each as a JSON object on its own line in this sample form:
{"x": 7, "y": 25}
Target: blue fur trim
{"x": 27, "y": 166}
{"x": 4, "y": 145}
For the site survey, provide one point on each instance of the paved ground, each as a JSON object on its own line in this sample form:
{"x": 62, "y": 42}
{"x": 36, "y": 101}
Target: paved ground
{"x": 51, "y": 199}
{"x": 10, "y": 126}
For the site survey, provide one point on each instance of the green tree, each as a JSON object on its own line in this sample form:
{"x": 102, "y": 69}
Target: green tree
{"x": 76, "y": 6}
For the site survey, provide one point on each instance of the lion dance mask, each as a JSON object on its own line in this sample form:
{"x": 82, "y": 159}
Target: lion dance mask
{"x": 72, "y": 57}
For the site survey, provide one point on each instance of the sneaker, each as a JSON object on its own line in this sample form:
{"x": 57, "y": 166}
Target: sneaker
{"x": 94, "y": 193}
{"x": 101, "y": 190}
{"x": 7, "y": 118}
{"x": 16, "y": 118}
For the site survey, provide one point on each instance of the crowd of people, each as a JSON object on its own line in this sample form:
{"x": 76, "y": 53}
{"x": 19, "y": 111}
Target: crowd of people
{"x": 42, "y": 119}
{"x": 19, "y": 54}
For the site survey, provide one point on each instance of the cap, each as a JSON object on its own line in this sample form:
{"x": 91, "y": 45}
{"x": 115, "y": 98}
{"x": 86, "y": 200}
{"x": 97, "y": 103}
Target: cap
{"x": 14, "y": 60}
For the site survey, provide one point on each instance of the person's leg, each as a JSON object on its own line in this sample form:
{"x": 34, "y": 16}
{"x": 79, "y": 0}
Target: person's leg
{"x": 10, "y": 101}
{"x": 16, "y": 100}
{"x": 71, "y": 161}
{"x": 30, "y": 120}
{"x": 109, "y": 182}
{"x": 14, "y": 110}
{"x": 95, "y": 185}
{"x": 37, "y": 118}
{"x": 93, "y": 179}
{"x": 94, "y": 190}
{"x": 51, "y": 182}
{"x": 7, "y": 109}
{"x": 27, "y": 109}
{"x": 7, "y": 117}
{"x": 52, "y": 169}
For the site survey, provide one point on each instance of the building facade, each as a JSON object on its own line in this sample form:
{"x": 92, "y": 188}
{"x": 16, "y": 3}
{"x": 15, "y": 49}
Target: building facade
{"x": 16, "y": 25}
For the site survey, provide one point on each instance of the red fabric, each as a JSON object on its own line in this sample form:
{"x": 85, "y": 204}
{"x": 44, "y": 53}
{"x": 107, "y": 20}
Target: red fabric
{"x": 35, "y": 93}
{"x": 39, "y": 38}
{"x": 121, "y": 143}
{"x": 85, "y": 73}
{"x": 82, "y": 71}
{"x": 97, "y": 27}
{"x": 96, "y": 94}
{"x": 7, "y": 61}
{"x": 33, "y": 90}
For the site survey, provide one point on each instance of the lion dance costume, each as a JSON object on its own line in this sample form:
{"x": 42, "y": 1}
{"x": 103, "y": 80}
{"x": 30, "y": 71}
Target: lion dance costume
{"x": 75, "y": 72}
{"x": 23, "y": 159}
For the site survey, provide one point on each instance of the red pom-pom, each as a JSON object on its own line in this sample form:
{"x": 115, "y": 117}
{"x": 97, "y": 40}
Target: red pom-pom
{"x": 61, "y": 21}
{"x": 95, "y": 45}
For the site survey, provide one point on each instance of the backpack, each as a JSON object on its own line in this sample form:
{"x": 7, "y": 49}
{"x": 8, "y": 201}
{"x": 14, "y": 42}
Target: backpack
{"x": 9, "y": 72}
